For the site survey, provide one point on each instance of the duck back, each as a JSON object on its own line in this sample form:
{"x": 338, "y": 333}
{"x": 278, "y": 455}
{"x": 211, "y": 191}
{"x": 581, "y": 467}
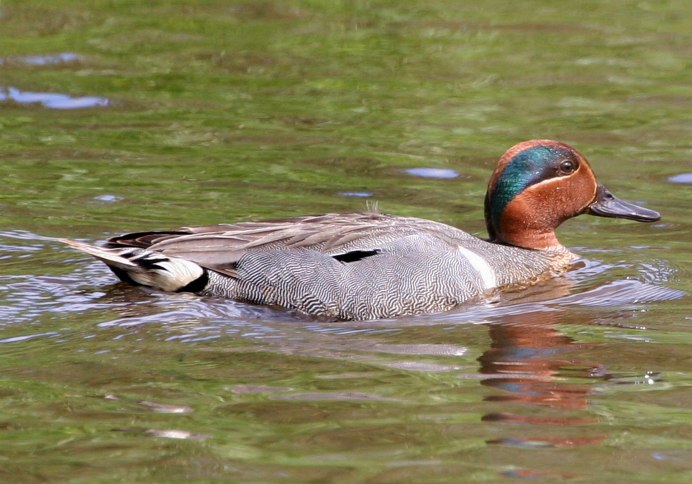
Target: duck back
{"x": 426, "y": 267}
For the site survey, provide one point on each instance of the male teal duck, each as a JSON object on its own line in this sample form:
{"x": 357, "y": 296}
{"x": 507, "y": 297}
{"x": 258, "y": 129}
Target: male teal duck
{"x": 371, "y": 265}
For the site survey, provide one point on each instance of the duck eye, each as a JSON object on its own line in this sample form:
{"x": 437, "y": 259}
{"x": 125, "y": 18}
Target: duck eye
{"x": 567, "y": 167}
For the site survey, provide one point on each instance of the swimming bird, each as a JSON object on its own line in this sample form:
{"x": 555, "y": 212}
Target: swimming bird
{"x": 370, "y": 265}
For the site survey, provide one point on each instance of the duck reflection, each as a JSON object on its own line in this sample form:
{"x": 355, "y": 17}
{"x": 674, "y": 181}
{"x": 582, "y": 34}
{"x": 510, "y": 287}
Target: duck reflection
{"x": 529, "y": 361}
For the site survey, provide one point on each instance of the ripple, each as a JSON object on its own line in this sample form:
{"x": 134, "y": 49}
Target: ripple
{"x": 108, "y": 198}
{"x": 43, "y": 59}
{"x": 684, "y": 178}
{"x": 51, "y": 100}
{"x": 335, "y": 396}
{"x": 356, "y": 194}
{"x": 444, "y": 173}
{"x": 175, "y": 434}
{"x": 625, "y": 291}
{"x": 27, "y": 337}
{"x": 49, "y": 59}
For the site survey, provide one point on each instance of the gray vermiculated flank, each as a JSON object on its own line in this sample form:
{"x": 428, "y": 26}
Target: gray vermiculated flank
{"x": 423, "y": 271}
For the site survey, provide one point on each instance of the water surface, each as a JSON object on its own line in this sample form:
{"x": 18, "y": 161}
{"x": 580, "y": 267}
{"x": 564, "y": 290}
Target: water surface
{"x": 200, "y": 113}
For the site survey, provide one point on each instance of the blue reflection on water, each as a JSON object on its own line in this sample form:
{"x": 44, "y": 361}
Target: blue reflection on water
{"x": 681, "y": 178}
{"x": 43, "y": 59}
{"x": 432, "y": 172}
{"x": 50, "y": 59}
{"x": 356, "y": 194}
{"x": 51, "y": 100}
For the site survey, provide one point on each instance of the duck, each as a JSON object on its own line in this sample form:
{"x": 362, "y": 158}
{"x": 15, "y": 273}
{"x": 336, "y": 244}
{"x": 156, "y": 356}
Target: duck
{"x": 371, "y": 265}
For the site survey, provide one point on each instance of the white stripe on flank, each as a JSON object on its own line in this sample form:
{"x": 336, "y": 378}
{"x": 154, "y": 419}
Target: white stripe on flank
{"x": 482, "y": 267}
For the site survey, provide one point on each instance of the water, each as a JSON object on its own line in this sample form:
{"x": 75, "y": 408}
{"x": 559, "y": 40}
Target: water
{"x": 222, "y": 111}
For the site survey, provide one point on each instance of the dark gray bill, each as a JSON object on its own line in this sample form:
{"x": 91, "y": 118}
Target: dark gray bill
{"x": 608, "y": 205}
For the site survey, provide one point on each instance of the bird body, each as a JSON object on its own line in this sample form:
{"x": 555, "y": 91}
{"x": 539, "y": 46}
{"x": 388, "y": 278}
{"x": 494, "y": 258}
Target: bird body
{"x": 371, "y": 265}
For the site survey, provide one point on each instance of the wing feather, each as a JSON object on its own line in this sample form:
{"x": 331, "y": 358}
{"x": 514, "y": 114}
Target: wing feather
{"x": 219, "y": 247}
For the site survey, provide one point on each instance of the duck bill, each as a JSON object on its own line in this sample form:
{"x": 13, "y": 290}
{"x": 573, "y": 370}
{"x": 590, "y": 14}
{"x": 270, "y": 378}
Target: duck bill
{"x": 608, "y": 205}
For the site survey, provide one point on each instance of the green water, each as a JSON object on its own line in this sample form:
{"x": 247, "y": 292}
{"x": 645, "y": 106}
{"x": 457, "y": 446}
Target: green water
{"x": 203, "y": 112}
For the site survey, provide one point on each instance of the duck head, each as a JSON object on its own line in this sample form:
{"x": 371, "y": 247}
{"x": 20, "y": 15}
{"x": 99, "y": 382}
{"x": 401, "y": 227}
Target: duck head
{"x": 537, "y": 185}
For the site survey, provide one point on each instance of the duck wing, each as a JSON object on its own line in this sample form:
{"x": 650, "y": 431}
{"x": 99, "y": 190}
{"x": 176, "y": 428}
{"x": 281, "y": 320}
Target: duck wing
{"x": 346, "y": 236}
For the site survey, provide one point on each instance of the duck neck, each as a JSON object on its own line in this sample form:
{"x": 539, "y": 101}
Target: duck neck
{"x": 528, "y": 239}
{"x": 522, "y": 227}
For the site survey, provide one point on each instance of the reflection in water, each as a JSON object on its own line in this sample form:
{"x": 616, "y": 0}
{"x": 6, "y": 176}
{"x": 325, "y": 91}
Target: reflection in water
{"x": 51, "y": 100}
{"x": 43, "y": 59}
{"x": 425, "y": 172}
{"x": 528, "y": 361}
{"x": 685, "y": 178}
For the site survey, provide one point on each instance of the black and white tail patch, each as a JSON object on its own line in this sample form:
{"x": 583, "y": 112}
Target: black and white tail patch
{"x": 148, "y": 268}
